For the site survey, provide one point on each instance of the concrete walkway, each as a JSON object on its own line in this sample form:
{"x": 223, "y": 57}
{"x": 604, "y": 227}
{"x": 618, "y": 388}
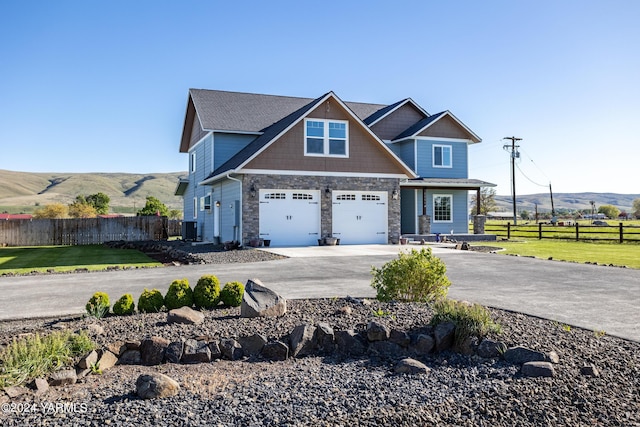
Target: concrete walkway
{"x": 593, "y": 297}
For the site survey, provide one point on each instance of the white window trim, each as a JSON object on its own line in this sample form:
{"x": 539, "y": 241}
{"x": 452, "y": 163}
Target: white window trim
{"x": 203, "y": 203}
{"x": 433, "y": 207}
{"x": 193, "y": 162}
{"x": 433, "y": 156}
{"x": 195, "y": 208}
{"x": 326, "y": 138}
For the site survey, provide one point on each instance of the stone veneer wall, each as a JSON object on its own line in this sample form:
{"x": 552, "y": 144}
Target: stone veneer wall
{"x": 251, "y": 205}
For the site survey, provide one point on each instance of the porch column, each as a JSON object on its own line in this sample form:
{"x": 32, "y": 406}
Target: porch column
{"x": 478, "y": 202}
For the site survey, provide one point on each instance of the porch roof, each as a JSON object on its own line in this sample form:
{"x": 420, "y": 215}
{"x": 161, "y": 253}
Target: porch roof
{"x": 458, "y": 183}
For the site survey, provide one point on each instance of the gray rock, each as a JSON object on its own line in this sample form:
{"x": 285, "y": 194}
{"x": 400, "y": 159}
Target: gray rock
{"x": 349, "y": 342}
{"x": 156, "y": 385}
{"x": 412, "y": 367}
{"x": 216, "y": 353}
{"x": 95, "y": 329}
{"x": 344, "y": 311}
{"x": 41, "y": 386}
{"x": 173, "y": 353}
{"x": 553, "y": 357}
{"x": 253, "y": 345}
{"x": 15, "y": 391}
{"x": 260, "y": 301}
{"x": 117, "y": 348}
{"x": 424, "y": 344}
{"x": 63, "y": 377}
{"x": 152, "y": 350}
{"x": 468, "y": 346}
{"x": 489, "y": 348}
{"x": 231, "y": 349}
{"x": 444, "y": 334}
{"x": 590, "y": 370}
{"x": 185, "y": 315}
{"x": 88, "y": 360}
{"x": 537, "y": 369}
{"x": 107, "y": 360}
{"x": 196, "y": 352}
{"x": 325, "y": 338}
{"x": 302, "y": 340}
{"x": 400, "y": 337}
{"x": 377, "y": 331}
{"x": 385, "y": 349}
{"x": 276, "y": 351}
{"x": 519, "y": 355}
{"x": 130, "y": 357}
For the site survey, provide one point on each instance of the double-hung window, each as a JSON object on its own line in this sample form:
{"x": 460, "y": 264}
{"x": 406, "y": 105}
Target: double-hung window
{"x": 441, "y": 156}
{"x": 442, "y": 208}
{"x": 326, "y": 138}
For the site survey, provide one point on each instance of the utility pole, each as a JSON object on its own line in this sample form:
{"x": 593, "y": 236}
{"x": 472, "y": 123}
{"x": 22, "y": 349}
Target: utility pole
{"x": 514, "y": 154}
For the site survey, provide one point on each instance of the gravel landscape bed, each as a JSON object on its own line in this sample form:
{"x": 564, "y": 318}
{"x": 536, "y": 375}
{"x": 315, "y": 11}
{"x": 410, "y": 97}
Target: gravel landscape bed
{"x": 318, "y": 391}
{"x": 338, "y": 390}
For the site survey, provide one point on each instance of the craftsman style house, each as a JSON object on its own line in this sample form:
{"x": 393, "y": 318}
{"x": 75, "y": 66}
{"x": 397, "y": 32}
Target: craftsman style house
{"x": 297, "y": 170}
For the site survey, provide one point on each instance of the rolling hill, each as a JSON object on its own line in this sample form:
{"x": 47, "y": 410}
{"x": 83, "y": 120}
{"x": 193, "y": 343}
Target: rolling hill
{"x": 24, "y": 191}
{"x": 571, "y": 201}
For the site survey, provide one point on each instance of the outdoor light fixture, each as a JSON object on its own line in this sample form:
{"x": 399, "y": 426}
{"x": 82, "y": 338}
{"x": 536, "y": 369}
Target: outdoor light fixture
{"x": 394, "y": 194}
{"x": 217, "y": 203}
{"x": 327, "y": 191}
{"x": 252, "y": 190}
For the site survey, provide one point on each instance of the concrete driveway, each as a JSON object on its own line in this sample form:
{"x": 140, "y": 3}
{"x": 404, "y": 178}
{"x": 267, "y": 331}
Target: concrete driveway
{"x": 593, "y": 297}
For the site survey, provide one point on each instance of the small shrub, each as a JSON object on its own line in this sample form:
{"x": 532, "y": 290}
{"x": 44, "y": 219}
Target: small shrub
{"x": 471, "y": 320}
{"x": 37, "y": 356}
{"x": 412, "y": 277}
{"x": 150, "y": 301}
{"x": 98, "y": 305}
{"x": 124, "y": 306}
{"x": 231, "y": 294}
{"x": 206, "y": 293}
{"x": 178, "y": 295}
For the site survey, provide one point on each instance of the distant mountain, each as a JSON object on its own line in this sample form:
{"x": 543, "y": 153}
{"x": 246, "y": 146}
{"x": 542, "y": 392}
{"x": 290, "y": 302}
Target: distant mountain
{"x": 571, "y": 201}
{"x": 23, "y": 191}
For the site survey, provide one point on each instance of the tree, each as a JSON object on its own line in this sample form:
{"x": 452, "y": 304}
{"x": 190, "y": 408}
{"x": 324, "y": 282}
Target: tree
{"x": 100, "y": 202}
{"x": 55, "y": 210}
{"x": 524, "y": 214}
{"x": 154, "y": 207}
{"x": 175, "y": 214}
{"x": 82, "y": 210}
{"x": 636, "y": 208}
{"x": 487, "y": 200}
{"x": 609, "y": 210}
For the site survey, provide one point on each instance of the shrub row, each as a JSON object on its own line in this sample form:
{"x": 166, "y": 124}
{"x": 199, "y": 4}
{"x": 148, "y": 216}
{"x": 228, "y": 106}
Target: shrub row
{"x": 205, "y": 295}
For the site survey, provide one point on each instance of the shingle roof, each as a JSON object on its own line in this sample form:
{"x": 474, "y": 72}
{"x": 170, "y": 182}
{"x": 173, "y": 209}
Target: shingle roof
{"x": 251, "y": 112}
{"x": 269, "y": 133}
{"x": 419, "y": 126}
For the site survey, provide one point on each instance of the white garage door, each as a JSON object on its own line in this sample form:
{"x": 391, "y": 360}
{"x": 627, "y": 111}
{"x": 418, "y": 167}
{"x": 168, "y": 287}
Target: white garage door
{"x": 360, "y": 217}
{"x": 290, "y": 217}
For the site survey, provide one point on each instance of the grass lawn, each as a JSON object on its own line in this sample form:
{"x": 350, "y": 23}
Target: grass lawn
{"x": 602, "y": 253}
{"x": 22, "y": 260}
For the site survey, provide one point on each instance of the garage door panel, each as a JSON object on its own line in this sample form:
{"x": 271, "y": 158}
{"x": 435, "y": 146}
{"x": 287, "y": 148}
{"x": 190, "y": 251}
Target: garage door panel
{"x": 290, "y": 217}
{"x": 360, "y": 217}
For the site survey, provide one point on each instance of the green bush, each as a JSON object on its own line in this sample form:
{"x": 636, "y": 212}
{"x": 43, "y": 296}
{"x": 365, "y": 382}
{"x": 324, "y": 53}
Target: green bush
{"x": 206, "y": 293}
{"x": 37, "y": 356}
{"x": 231, "y": 294}
{"x": 124, "y": 306}
{"x": 150, "y": 301}
{"x": 471, "y": 320}
{"x": 178, "y": 295}
{"x": 412, "y": 277}
{"x": 98, "y": 305}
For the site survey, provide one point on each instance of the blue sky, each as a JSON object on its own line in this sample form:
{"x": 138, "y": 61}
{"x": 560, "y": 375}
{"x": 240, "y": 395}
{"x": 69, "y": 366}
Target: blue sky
{"x": 101, "y": 86}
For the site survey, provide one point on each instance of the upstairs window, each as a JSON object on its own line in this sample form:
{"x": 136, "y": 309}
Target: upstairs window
{"x": 192, "y": 165}
{"x": 326, "y": 138}
{"x": 441, "y": 156}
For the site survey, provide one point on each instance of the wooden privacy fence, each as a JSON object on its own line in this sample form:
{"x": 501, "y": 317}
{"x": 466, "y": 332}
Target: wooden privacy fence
{"x": 619, "y": 233}
{"x": 85, "y": 231}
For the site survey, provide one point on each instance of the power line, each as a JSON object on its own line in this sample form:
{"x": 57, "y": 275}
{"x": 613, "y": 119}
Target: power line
{"x": 529, "y": 179}
{"x": 514, "y": 154}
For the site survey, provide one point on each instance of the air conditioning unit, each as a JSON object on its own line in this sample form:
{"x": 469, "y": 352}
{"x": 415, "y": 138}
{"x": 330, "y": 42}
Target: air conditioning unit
{"x": 189, "y": 231}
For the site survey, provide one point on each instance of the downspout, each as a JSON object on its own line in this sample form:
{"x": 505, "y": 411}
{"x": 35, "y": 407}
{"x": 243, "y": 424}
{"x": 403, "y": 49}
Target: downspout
{"x": 237, "y": 231}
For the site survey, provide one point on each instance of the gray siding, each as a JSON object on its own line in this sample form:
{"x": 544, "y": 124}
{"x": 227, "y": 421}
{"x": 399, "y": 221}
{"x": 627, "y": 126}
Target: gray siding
{"x": 227, "y": 145}
{"x": 459, "y": 160}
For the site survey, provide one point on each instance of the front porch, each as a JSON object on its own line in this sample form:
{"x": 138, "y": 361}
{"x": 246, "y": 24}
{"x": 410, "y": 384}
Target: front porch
{"x": 457, "y": 237}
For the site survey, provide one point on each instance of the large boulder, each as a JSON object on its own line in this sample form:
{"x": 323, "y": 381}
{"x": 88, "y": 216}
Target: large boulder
{"x": 276, "y": 351}
{"x": 152, "y": 350}
{"x": 260, "y": 301}
{"x": 377, "y": 331}
{"x": 185, "y": 315}
{"x": 520, "y": 355}
{"x": 302, "y": 340}
{"x": 252, "y": 345}
{"x": 195, "y": 351}
{"x": 411, "y": 367}
{"x": 156, "y": 385}
{"x": 444, "y": 334}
